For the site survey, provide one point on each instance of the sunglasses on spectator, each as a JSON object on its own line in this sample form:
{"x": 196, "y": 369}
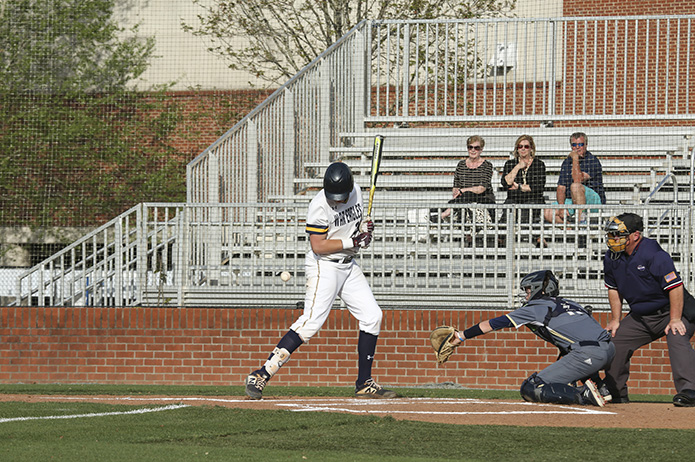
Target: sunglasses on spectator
{"x": 577, "y": 145}
{"x": 477, "y": 148}
{"x": 524, "y": 146}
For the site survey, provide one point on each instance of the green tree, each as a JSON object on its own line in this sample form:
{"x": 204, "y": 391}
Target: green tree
{"x": 274, "y": 39}
{"x": 79, "y": 146}
{"x": 67, "y": 47}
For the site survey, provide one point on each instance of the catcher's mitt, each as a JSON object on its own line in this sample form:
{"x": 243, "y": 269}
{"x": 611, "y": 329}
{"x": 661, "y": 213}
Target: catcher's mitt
{"x": 440, "y": 339}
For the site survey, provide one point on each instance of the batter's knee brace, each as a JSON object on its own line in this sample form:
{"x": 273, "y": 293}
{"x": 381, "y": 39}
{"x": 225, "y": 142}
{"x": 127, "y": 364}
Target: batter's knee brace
{"x": 277, "y": 359}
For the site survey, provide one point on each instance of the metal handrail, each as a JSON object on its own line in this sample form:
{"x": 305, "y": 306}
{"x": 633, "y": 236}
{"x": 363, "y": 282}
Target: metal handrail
{"x": 668, "y": 176}
{"x": 276, "y": 94}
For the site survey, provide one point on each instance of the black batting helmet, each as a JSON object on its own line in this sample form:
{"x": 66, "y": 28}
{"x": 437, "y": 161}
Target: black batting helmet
{"x": 540, "y": 283}
{"x": 338, "y": 182}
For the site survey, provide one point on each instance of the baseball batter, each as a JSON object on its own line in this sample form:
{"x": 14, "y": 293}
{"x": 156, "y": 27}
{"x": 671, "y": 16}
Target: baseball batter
{"x": 333, "y": 225}
{"x": 585, "y": 347}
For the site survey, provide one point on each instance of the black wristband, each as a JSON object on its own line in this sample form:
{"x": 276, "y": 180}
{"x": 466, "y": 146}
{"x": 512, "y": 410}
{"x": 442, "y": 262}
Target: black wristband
{"x": 473, "y": 331}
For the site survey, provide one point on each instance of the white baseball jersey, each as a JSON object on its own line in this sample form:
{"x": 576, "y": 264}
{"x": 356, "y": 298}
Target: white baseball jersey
{"x": 335, "y": 219}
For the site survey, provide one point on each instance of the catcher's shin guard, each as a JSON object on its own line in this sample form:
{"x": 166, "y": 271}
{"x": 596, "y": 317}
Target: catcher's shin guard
{"x": 530, "y": 389}
{"x": 534, "y": 389}
{"x": 560, "y": 393}
{"x": 277, "y": 359}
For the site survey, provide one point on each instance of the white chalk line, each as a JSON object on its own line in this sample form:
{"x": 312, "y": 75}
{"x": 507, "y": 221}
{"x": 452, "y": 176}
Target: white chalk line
{"x": 546, "y": 408}
{"x": 370, "y": 406}
{"x": 96, "y": 414}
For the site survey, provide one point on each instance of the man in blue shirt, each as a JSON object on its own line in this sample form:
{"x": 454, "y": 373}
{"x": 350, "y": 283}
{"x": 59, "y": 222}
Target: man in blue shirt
{"x": 639, "y": 271}
{"x": 580, "y": 180}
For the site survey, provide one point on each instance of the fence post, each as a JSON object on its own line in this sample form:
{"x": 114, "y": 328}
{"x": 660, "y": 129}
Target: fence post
{"x": 118, "y": 266}
{"x": 359, "y": 58}
{"x": 552, "y": 90}
{"x": 406, "y": 67}
{"x": 289, "y": 135}
{"x": 141, "y": 237}
{"x": 251, "y": 164}
{"x": 181, "y": 252}
{"x": 213, "y": 254}
{"x": 325, "y": 119}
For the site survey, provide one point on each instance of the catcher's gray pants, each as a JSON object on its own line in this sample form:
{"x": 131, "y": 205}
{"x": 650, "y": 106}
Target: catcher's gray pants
{"x": 581, "y": 362}
{"x": 635, "y": 332}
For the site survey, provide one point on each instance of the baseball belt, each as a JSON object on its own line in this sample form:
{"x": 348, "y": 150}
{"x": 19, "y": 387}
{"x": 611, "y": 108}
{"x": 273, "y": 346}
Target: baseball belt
{"x": 342, "y": 260}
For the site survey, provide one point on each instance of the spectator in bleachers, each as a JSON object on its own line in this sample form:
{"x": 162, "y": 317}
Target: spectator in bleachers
{"x": 524, "y": 178}
{"x": 580, "y": 181}
{"x": 472, "y": 181}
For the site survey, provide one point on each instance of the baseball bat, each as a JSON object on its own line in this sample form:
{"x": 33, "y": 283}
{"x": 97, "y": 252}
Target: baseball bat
{"x": 376, "y": 162}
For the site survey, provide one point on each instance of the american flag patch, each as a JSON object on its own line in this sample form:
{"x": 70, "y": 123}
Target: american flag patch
{"x": 670, "y": 276}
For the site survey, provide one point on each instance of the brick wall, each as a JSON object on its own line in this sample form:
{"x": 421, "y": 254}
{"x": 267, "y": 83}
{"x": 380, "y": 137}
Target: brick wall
{"x": 621, "y": 7}
{"x": 208, "y": 346}
{"x": 208, "y": 115}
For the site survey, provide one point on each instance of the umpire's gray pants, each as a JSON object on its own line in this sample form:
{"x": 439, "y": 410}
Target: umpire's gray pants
{"x": 635, "y": 332}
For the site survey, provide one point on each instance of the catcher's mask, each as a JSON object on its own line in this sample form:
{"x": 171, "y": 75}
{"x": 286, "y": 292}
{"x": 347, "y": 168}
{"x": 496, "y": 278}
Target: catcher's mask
{"x": 616, "y": 235}
{"x": 540, "y": 283}
{"x": 619, "y": 228}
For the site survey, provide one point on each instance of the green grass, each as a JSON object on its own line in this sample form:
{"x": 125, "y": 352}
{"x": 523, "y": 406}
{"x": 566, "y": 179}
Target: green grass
{"x": 220, "y": 433}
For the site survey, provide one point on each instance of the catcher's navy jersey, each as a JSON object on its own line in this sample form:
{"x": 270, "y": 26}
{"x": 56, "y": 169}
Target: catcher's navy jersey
{"x": 565, "y": 322}
{"x": 644, "y": 278}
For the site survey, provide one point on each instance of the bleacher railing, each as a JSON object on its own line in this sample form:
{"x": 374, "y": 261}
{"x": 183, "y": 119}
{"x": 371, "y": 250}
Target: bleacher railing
{"x": 295, "y": 125}
{"x": 632, "y": 68}
{"x": 232, "y": 255}
{"x": 588, "y": 68}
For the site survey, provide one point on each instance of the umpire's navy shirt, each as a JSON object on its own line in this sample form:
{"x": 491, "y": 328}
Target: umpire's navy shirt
{"x": 644, "y": 278}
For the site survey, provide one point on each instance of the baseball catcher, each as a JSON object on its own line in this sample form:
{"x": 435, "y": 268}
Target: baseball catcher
{"x": 585, "y": 347}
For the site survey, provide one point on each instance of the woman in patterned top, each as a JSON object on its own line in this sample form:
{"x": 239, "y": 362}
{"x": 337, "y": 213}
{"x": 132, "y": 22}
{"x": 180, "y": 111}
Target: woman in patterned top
{"x": 472, "y": 179}
{"x": 524, "y": 178}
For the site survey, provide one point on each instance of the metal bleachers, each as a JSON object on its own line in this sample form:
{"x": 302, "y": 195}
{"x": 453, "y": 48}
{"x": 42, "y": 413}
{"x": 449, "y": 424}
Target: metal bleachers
{"x": 634, "y": 159}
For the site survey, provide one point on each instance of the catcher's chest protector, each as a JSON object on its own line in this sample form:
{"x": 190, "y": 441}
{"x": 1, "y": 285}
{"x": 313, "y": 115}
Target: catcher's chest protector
{"x": 562, "y": 306}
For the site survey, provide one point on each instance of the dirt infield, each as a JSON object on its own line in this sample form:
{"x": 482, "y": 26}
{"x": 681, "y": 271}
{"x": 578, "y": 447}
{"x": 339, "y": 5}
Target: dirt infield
{"x": 444, "y": 410}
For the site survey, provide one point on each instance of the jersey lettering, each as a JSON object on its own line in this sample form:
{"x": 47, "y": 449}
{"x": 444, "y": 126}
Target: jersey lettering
{"x": 563, "y": 306}
{"x": 348, "y": 215}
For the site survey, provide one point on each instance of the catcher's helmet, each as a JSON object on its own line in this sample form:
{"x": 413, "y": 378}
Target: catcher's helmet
{"x": 338, "y": 182}
{"x": 540, "y": 283}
